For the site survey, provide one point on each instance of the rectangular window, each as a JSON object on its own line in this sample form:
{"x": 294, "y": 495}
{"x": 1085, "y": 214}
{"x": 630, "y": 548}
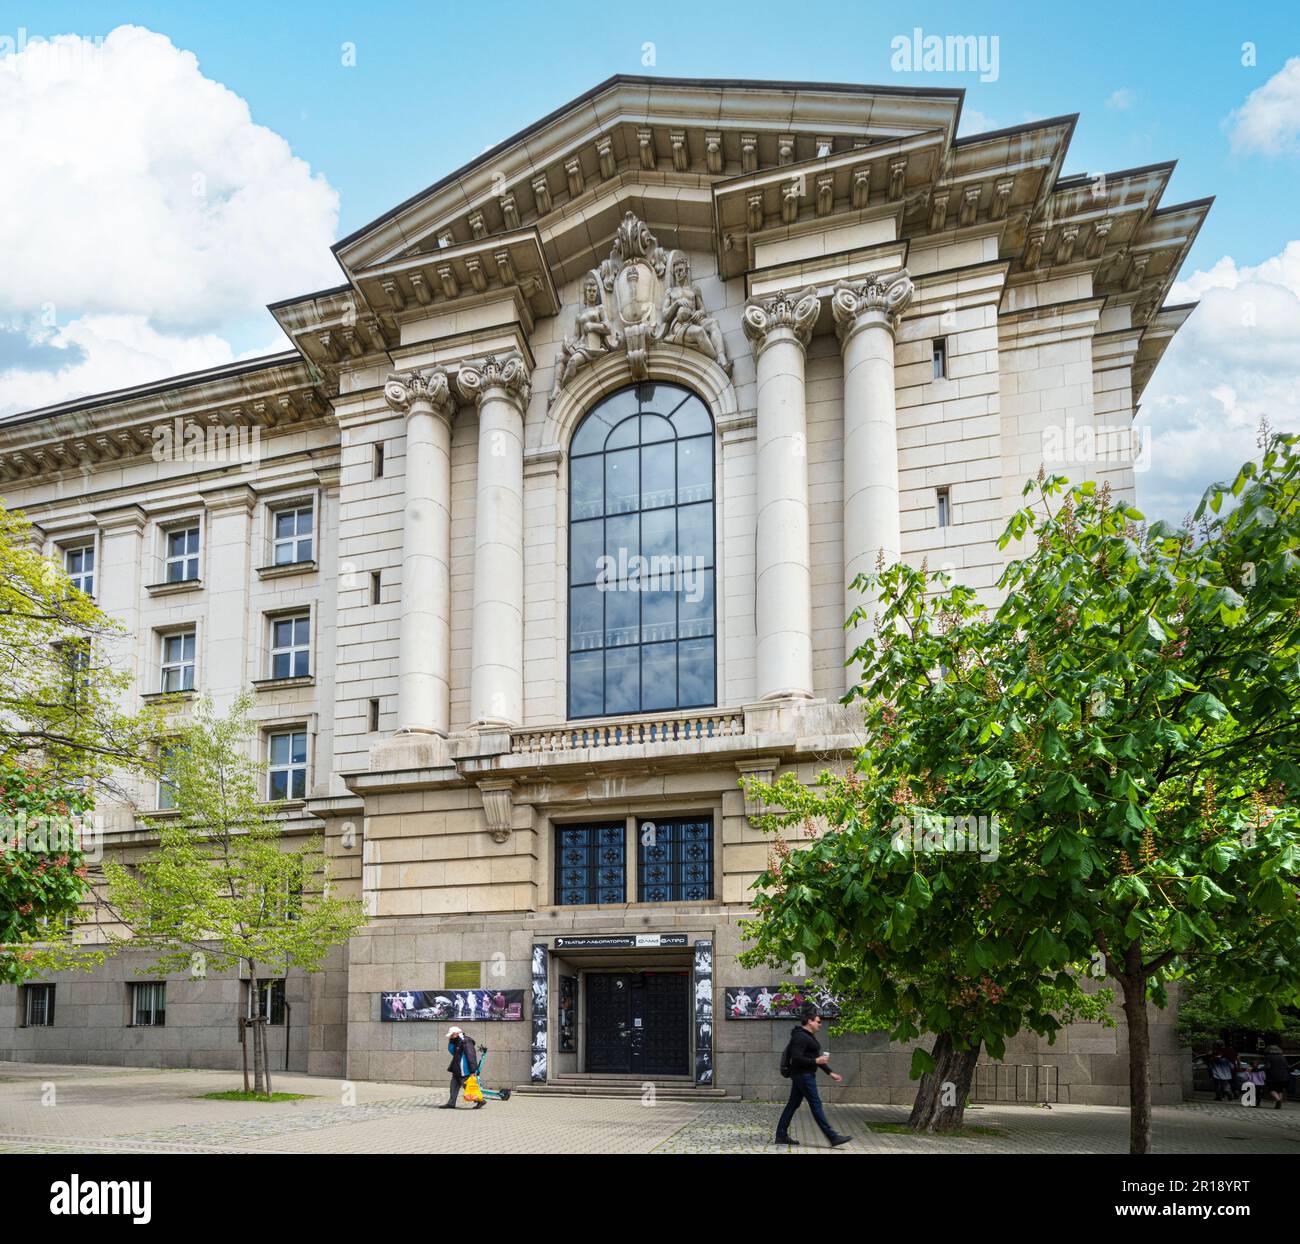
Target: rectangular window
{"x": 79, "y": 564}
{"x": 376, "y": 587}
{"x": 178, "y": 661}
{"x": 292, "y": 536}
{"x": 166, "y": 786}
{"x": 291, "y": 646}
{"x": 940, "y": 357}
{"x": 149, "y": 1004}
{"x": 287, "y": 751}
{"x": 75, "y": 655}
{"x": 270, "y": 1000}
{"x": 379, "y": 459}
{"x": 374, "y": 716}
{"x": 590, "y": 863}
{"x": 675, "y": 859}
{"x": 38, "y": 1006}
{"x": 944, "y": 507}
{"x": 182, "y": 555}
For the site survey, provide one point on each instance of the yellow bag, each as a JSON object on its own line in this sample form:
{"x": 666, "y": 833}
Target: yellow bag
{"x": 472, "y": 1090}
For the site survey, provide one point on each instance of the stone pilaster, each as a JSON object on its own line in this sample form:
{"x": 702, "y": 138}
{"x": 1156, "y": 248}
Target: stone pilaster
{"x": 866, "y": 316}
{"x": 779, "y": 328}
{"x": 227, "y": 571}
{"x": 499, "y": 386}
{"x": 424, "y": 642}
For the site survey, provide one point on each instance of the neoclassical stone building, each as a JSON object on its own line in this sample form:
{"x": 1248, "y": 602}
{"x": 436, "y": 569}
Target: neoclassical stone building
{"x": 538, "y": 540}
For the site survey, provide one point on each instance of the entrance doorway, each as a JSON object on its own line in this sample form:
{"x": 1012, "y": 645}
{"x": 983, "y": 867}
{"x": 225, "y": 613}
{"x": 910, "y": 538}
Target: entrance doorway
{"x": 638, "y": 1023}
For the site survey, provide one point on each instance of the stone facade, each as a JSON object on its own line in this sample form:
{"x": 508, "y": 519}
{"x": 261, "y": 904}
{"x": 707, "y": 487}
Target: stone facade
{"x": 891, "y": 329}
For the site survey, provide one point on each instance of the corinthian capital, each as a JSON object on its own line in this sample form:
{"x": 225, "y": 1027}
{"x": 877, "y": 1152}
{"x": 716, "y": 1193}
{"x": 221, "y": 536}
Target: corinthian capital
{"x": 883, "y": 294}
{"x": 507, "y": 373}
{"x": 406, "y": 391}
{"x": 798, "y": 312}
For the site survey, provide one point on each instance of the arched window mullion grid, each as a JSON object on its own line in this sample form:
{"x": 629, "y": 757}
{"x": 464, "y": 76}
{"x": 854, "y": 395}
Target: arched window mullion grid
{"x": 622, "y": 660}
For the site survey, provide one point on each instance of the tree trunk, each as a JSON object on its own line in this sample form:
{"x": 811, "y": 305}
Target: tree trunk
{"x": 259, "y": 1048}
{"x": 264, "y": 1027}
{"x": 941, "y": 1096}
{"x": 1134, "y": 983}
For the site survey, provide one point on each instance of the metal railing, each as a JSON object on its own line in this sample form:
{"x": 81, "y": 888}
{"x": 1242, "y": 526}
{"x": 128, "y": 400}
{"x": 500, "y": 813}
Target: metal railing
{"x": 1037, "y": 1082}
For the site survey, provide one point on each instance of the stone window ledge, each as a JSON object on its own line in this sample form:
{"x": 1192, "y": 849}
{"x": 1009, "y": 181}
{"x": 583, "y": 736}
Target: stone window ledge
{"x": 287, "y": 568}
{"x": 155, "y": 697}
{"x": 276, "y": 684}
{"x": 173, "y": 589}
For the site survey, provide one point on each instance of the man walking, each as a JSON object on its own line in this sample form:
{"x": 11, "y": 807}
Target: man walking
{"x": 802, "y": 1058}
{"x": 464, "y": 1063}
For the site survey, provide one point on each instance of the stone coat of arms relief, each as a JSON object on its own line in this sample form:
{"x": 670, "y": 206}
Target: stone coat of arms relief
{"x": 639, "y": 295}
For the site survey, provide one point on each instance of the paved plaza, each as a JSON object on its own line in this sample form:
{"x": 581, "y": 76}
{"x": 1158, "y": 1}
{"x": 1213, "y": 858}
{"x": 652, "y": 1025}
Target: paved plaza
{"x": 66, "y": 1109}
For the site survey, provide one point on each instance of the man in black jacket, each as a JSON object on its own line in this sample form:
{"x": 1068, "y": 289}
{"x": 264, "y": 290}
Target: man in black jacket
{"x": 464, "y": 1063}
{"x": 804, "y": 1055}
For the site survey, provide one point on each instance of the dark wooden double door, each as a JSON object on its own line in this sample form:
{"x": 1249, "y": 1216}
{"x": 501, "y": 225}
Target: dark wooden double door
{"x": 639, "y": 1023}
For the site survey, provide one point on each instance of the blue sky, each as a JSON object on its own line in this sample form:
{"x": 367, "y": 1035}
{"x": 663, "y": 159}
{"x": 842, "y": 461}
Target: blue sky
{"x": 432, "y": 85}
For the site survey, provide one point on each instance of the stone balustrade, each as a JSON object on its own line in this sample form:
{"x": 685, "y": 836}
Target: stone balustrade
{"x": 628, "y": 732}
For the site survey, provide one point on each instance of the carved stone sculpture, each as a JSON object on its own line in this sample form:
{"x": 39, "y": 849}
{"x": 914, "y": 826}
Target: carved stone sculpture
{"x": 593, "y": 336}
{"x": 684, "y": 319}
{"x": 638, "y": 296}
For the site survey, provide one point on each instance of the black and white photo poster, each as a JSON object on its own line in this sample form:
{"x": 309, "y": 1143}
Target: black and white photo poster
{"x": 703, "y": 980}
{"x": 540, "y": 1012}
{"x": 475, "y": 1005}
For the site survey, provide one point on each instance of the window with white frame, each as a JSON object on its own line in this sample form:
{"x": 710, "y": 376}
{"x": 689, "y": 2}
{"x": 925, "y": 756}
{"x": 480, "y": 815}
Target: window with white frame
{"x": 287, "y": 767}
{"x": 943, "y": 507}
{"x": 149, "y": 1004}
{"x": 291, "y": 646}
{"x": 939, "y": 358}
{"x": 79, "y": 565}
{"x": 178, "y": 661}
{"x": 181, "y": 554}
{"x": 75, "y": 655}
{"x": 166, "y": 780}
{"x": 38, "y": 1006}
{"x": 291, "y": 535}
{"x": 270, "y": 1000}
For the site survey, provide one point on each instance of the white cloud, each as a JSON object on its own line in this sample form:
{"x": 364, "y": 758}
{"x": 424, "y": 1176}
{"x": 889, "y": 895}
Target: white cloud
{"x": 139, "y": 198}
{"x": 1121, "y": 99}
{"x": 1234, "y": 361}
{"x": 1269, "y": 120}
{"x": 107, "y": 352}
{"x": 973, "y": 121}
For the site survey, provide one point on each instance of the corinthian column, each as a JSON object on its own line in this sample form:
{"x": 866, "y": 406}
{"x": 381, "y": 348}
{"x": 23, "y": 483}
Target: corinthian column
{"x": 499, "y": 387}
{"x": 866, "y": 315}
{"x": 779, "y": 328}
{"x": 424, "y": 638}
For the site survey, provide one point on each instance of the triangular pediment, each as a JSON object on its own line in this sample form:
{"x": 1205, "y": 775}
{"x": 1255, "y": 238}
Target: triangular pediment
{"x": 677, "y": 132}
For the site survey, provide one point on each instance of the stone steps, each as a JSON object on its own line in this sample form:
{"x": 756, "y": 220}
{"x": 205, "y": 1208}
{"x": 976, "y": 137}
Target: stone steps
{"x": 666, "y": 1089}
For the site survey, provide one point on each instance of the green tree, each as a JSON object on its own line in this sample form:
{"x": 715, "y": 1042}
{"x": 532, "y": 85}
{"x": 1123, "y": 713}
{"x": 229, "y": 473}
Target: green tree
{"x": 63, "y": 735}
{"x": 44, "y": 874}
{"x": 60, "y": 697}
{"x": 225, "y": 888}
{"x": 1128, "y": 713}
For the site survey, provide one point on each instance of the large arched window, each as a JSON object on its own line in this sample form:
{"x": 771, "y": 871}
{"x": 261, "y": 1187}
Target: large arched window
{"x": 641, "y": 569}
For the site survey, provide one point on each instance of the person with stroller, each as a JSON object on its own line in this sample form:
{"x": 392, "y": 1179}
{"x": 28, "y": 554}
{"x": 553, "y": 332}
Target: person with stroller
{"x": 464, "y": 1063}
